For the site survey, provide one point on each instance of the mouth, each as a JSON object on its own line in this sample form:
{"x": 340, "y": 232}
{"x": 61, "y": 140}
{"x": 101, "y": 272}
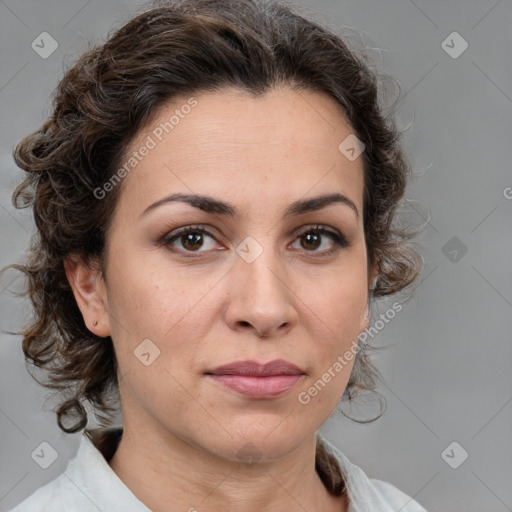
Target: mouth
{"x": 255, "y": 380}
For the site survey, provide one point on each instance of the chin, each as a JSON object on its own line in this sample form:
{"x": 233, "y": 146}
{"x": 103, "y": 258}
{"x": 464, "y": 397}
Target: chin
{"x": 254, "y": 443}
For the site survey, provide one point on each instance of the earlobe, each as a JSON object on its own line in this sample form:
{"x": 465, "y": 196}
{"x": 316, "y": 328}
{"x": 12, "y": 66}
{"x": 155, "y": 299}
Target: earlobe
{"x": 365, "y": 318}
{"x": 365, "y": 321}
{"x": 88, "y": 289}
{"x": 374, "y": 276}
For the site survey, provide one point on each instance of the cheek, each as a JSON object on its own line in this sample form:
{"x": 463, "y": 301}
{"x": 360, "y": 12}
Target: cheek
{"x": 142, "y": 295}
{"x": 337, "y": 302}
{"x": 164, "y": 307}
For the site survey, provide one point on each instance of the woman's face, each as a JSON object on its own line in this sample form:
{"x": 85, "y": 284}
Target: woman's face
{"x": 260, "y": 285}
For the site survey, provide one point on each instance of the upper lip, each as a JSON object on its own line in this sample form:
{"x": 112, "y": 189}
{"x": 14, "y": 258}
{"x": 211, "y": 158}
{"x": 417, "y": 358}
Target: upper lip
{"x": 253, "y": 368}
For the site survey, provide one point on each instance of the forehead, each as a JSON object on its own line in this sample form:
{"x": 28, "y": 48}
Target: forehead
{"x": 274, "y": 148}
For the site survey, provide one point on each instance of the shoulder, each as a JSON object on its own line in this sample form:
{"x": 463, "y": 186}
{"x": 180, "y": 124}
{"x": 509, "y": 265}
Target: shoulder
{"x": 88, "y": 484}
{"x": 66, "y": 489}
{"x": 45, "y": 498}
{"x": 368, "y": 494}
{"x": 395, "y": 497}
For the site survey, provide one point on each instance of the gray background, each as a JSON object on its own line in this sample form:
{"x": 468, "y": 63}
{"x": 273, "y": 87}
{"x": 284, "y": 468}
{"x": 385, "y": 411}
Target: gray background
{"x": 447, "y": 366}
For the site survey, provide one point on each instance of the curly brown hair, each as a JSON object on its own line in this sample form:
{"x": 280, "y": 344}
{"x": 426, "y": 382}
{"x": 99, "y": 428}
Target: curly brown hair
{"x": 103, "y": 101}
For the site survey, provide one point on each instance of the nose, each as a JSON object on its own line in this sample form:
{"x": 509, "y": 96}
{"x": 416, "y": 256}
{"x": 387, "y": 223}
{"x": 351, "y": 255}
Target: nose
{"x": 261, "y": 297}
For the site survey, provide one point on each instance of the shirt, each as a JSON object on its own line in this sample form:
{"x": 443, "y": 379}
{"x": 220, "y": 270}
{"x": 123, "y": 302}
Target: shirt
{"x": 88, "y": 484}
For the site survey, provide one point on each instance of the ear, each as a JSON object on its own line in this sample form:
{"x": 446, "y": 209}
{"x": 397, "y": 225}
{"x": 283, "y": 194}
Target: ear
{"x": 89, "y": 290}
{"x": 365, "y": 319}
{"x": 366, "y": 316}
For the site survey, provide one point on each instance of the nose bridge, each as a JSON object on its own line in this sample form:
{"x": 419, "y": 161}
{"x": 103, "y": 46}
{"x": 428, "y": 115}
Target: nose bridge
{"x": 259, "y": 267}
{"x": 261, "y": 297}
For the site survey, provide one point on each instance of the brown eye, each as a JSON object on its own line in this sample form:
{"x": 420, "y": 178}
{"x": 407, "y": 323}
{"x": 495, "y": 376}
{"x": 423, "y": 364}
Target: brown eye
{"x": 199, "y": 240}
{"x": 191, "y": 239}
{"x": 313, "y": 238}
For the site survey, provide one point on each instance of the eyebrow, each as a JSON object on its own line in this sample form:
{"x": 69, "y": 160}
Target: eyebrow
{"x": 211, "y": 205}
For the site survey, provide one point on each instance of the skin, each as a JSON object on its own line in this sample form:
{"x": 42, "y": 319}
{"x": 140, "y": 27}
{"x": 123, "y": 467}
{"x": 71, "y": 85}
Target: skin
{"x": 182, "y": 432}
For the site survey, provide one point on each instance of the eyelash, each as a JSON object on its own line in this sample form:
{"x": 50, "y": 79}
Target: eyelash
{"x": 169, "y": 238}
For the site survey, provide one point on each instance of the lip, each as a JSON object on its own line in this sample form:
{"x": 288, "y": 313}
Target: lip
{"x": 255, "y": 369}
{"x": 256, "y": 380}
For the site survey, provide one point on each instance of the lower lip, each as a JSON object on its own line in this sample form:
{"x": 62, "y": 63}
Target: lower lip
{"x": 258, "y": 387}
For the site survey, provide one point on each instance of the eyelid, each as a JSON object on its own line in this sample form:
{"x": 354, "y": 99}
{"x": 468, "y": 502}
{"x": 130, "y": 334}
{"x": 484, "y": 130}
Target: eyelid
{"x": 175, "y": 233}
{"x": 337, "y": 236}
{"x": 340, "y": 240}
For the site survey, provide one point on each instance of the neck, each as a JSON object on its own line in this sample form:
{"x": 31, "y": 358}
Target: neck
{"x": 165, "y": 470}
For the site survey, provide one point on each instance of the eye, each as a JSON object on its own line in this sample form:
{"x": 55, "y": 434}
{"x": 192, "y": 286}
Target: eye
{"x": 191, "y": 239}
{"x": 312, "y": 238}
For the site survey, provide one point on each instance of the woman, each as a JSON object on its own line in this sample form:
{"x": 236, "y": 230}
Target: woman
{"x": 214, "y": 195}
